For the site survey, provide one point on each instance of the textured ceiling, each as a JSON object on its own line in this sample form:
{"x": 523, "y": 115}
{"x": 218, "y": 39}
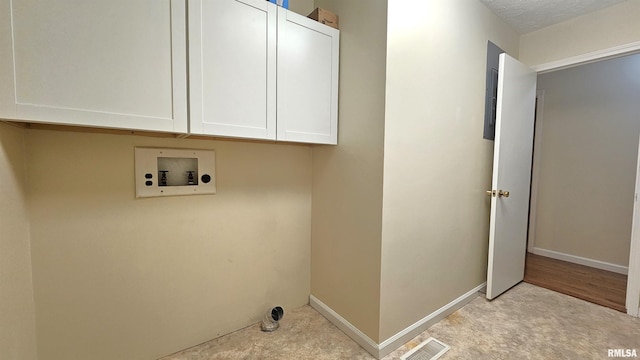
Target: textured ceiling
{"x": 530, "y": 15}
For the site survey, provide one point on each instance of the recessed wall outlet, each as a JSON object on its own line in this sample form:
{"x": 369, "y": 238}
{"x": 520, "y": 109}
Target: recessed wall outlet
{"x": 170, "y": 172}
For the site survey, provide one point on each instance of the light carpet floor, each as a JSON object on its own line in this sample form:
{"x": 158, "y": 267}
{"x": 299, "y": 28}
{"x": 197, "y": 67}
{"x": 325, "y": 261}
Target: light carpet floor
{"x": 527, "y": 322}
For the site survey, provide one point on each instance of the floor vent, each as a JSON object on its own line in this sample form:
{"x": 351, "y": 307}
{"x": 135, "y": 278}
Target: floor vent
{"x": 429, "y": 349}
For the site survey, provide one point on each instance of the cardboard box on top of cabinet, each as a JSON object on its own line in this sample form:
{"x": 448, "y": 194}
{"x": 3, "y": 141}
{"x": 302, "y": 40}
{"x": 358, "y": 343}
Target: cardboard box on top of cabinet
{"x": 283, "y": 3}
{"x": 324, "y": 16}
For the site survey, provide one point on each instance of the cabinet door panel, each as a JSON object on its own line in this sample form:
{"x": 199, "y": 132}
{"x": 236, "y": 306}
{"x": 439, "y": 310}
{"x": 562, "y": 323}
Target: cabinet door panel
{"x": 7, "y": 93}
{"x": 232, "y": 68}
{"x": 118, "y": 63}
{"x": 307, "y": 80}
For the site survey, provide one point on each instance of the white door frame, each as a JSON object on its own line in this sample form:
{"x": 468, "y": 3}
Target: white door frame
{"x": 633, "y": 279}
{"x": 535, "y": 170}
{"x": 633, "y": 282}
{"x": 609, "y": 53}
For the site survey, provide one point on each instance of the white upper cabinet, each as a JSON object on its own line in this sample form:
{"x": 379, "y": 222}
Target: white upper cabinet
{"x": 307, "y": 80}
{"x": 232, "y": 68}
{"x": 255, "y": 67}
{"x": 255, "y": 70}
{"x": 7, "y": 93}
{"x": 114, "y": 64}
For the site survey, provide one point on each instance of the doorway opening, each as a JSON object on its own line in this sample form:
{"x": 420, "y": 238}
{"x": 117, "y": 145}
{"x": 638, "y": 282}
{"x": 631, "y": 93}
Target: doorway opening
{"x": 583, "y": 178}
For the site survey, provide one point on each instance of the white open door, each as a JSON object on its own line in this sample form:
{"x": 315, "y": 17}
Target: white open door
{"x": 633, "y": 279}
{"x": 511, "y": 175}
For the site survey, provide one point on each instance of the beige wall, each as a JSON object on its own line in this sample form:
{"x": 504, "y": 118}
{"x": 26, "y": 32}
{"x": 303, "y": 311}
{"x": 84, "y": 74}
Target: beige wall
{"x": 302, "y": 7}
{"x": 119, "y": 278}
{"x": 17, "y": 316}
{"x": 123, "y": 278}
{"x": 609, "y": 27}
{"x": 347, "y": 179}
{"x": 589, "y": 138}
{"x": 436, "y": 164}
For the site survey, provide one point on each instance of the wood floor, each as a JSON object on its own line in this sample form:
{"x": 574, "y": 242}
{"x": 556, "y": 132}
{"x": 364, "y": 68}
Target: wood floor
{"x": 594, "y": 285}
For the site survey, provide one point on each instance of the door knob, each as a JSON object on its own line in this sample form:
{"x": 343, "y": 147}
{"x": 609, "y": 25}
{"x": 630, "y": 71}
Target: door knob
{"x": 503, "y": 193}
{"x": 491, "y": 193}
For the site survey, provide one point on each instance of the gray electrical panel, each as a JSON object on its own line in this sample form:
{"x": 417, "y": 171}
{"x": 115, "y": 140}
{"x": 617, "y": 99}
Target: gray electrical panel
{"x": 491, "y": 91}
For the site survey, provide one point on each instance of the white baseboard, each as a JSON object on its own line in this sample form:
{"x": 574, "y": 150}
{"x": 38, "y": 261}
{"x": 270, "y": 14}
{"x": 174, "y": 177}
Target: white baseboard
{"x": 401, "y": 338}
{"x": 396, "y": 341}
{"x": 581, "y": 260}
{"x": 341, "y": 323}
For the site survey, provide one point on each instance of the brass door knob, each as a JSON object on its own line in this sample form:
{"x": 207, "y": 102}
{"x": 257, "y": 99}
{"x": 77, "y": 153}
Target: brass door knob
{"x": 503, "y": 193}
{"x": 491, "y": 193}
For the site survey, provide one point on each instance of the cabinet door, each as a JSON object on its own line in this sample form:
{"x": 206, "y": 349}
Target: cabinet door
{"x": 116, "y": 63}
{"x": 307, "y": 80}
{"x": 7, "y": 87}
{"x": 232, "y": 68}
